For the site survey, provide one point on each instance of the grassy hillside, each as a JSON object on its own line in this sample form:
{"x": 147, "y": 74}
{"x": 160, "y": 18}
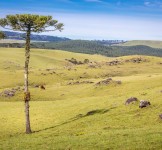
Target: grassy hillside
{"x": 154, "y": 44}
{"x": 75, "y": 112}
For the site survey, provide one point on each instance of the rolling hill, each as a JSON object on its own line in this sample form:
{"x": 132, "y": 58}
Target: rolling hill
{"x": 81, "y": 107}
{"x": 154, "y": 44}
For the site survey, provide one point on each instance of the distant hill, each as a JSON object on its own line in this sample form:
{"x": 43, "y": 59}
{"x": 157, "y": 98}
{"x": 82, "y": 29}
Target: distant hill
{"x": 108, "y": 48}
{"x": 92, "y": 47}
{"x": 34, "y": 37}
{"x": 154, "y": 44}
{"x": 20, "y": 36}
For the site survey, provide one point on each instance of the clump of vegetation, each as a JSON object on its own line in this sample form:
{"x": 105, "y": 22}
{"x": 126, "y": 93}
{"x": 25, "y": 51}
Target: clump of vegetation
{"x": 86, "y": 61}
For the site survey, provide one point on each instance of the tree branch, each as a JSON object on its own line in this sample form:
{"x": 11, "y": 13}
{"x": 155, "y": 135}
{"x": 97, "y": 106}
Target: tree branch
{"x": 13, "y": 29}
{"x": 49, "y": 30}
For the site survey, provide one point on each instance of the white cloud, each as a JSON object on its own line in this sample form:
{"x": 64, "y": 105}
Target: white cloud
{"x": 102, "y": 26}
{"x": 109, "y": 27}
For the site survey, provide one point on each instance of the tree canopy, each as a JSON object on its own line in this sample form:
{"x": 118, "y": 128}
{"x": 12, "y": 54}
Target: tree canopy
{"x": 36, "y": 23}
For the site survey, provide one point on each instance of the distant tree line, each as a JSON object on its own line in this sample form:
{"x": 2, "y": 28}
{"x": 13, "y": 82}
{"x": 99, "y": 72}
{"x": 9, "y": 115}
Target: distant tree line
{"x": 92, "y": 47}
{"x": 34, "y": 37}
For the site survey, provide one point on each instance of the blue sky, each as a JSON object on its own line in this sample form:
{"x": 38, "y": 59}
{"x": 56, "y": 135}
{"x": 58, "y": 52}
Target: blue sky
{"x": 96, "y": 19}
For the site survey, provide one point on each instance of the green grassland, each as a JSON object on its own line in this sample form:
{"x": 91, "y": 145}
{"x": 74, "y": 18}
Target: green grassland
{"x": 154, "y": 44}
{"x": 82, "y": 116}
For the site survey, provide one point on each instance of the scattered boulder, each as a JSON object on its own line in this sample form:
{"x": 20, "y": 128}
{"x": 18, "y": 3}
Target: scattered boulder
{"x": 86, "y": 61}
{"x": 80, "y": 82}
{"x": 160, "y": 116}
{"x": 114, "y": 62}
{"x": 48, "y": 69}
{"x": 36, "y": 86}
{"x": 118, "y": 82}
{"x": 136, "y": 60}
{"x": 10, "y": 92}
{"x": 108, "y": 81}
{"x": 144, "y": 103}
{"x": 130, "y": 100}
{"x": 74, "y": 61}
{"x": 42, "y": 87}
{"x": 143, "y": 94}
{"x": 43, "y": 74}
{"x": 104, "y": 82}
{"x": 92, "y": 66}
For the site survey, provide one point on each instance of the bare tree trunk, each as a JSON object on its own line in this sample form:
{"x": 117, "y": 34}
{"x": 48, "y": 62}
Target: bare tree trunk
{"x": 26, "y": 89}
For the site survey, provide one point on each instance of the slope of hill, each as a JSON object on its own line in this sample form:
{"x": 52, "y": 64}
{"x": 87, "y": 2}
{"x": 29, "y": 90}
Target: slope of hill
{"x": 81, "y": 107}
{"x": 154, "y": 44}
{"x": 34, "y": 37}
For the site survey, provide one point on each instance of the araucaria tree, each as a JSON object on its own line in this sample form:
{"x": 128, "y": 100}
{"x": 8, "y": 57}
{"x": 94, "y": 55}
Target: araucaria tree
{"x": 29, "y": 23}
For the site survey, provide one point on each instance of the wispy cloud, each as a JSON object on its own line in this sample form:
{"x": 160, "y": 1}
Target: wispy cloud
{"x": 153, "y": 4}
{"x": 99, "y": 27}
{"x": 147, "y": 3}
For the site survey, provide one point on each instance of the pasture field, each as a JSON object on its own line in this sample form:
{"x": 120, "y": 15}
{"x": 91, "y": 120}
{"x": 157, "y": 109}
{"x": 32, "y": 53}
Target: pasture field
{"x": 78, "y": 110}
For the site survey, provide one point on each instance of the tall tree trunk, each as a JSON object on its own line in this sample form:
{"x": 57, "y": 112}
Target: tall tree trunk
{"x": 26, "y": 89}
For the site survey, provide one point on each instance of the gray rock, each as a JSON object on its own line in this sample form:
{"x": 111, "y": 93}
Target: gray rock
{"x": 130, "y": 100}
{"x": 160, "y": 116}
{"x": 104, "y": 82}
{"x": 118, "y": 82}
{"x": 10, "y": 94}
{"x": 144, "y": 103}
{"x": 36, "y": 86}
